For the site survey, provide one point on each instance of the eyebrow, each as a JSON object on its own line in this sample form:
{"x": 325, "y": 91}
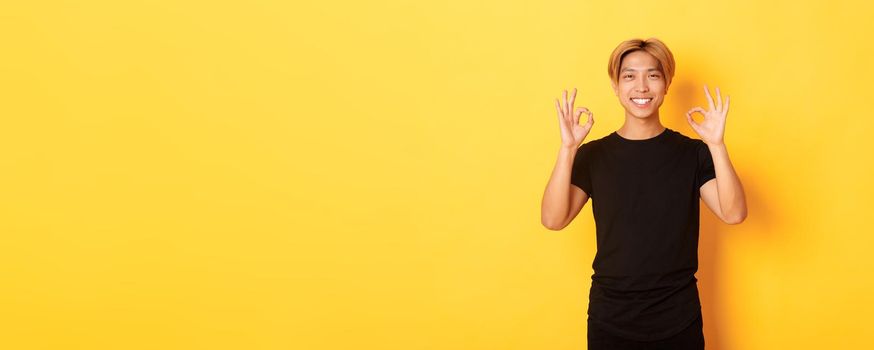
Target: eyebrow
{"x": 632, "y": 69}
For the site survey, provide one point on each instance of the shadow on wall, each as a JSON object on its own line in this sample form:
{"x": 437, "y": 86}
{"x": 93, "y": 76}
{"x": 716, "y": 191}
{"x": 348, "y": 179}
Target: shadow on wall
{"x": 685, "y": 94}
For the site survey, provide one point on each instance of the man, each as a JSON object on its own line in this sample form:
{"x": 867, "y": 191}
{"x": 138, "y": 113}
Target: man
{"x": 644, "y": 180}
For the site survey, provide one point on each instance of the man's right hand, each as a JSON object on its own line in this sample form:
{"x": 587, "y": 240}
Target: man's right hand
{"x": 572, "y": 133}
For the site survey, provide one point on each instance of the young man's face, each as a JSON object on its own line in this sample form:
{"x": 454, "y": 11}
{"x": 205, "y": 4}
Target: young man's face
{"x": 641, "y": 88}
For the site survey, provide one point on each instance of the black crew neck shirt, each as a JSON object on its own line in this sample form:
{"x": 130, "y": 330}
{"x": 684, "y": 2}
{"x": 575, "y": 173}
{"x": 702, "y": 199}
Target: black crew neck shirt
{"x": 645, "y": 200}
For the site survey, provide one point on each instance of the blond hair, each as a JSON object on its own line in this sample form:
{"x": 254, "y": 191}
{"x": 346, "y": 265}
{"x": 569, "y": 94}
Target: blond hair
{"x": 652, "y": 46}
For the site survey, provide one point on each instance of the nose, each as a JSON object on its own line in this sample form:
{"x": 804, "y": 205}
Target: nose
{"x": 642, "y": 85}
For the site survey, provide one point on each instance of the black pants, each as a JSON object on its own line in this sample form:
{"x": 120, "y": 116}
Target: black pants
{"x": 691, "y": 338}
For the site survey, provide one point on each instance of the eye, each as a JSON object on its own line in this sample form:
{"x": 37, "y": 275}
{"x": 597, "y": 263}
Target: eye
{"x": 627, "y": 76}
{"x": 654, "y": 75}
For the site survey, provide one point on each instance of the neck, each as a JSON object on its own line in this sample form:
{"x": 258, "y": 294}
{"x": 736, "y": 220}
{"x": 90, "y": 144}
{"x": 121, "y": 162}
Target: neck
{"x": 641, "y": 128}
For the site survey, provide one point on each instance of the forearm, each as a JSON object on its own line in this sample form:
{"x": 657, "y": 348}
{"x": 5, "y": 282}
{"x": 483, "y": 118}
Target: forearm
{"x": 732, "y": 201}
{"x": 555, "y": 205}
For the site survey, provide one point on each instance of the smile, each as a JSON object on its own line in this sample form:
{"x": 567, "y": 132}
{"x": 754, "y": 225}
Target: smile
{"x": 642, "y": 101}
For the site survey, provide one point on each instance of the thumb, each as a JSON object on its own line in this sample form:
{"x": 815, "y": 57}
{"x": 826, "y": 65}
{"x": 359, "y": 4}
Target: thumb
{"x": 691, "y": 121}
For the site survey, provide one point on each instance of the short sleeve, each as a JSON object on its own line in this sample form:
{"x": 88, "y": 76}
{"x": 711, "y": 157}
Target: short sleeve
{"x": 705, "y": 170}
{"x": 580, "y": 172}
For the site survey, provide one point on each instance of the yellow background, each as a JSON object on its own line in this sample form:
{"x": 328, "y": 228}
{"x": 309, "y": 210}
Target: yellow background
{"x": 368, "y": 175}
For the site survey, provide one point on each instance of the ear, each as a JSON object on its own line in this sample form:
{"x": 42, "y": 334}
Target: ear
{"x": 615, "y": 88}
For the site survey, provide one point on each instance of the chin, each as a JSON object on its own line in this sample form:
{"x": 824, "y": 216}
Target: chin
{"x": 641, "y": 114}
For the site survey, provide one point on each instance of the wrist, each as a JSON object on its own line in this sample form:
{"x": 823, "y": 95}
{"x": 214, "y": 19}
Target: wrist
{"x": 565, "y": 148}
{"x": 719, "y": 144}
{"x": 567, "y": 151}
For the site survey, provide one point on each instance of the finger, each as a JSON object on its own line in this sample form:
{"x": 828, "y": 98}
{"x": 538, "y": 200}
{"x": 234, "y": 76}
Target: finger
{"x": 573, "y": 98}
{"x": 727, "y": 100}
{"x": 696, "y": 109}
{"x": 579, "y": 111}
{"x": 561, "y": 117}
{"x": 709, "y": 99}
{"x": 567, "y": 109}
{"x": 691, "y": 121}
{"x": 692, "y": 111}
{"x": 591, "y": 119}
{"x": 718, "y": 99}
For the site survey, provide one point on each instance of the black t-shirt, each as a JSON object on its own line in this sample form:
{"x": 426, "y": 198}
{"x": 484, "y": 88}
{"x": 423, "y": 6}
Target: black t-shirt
{"x": 645, "y": 200}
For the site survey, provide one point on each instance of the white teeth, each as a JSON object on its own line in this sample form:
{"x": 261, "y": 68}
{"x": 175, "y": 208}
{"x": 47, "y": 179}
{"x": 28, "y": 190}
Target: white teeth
{"x": 641, "y": 101}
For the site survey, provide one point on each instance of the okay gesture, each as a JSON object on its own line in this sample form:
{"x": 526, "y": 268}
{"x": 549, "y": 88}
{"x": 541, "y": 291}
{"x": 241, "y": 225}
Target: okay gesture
{"x": 712, "y": 129}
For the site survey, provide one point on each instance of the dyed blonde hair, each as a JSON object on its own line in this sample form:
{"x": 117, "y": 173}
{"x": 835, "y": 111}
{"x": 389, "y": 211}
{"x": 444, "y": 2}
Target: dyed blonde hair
{"x": 652, "y": 46}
